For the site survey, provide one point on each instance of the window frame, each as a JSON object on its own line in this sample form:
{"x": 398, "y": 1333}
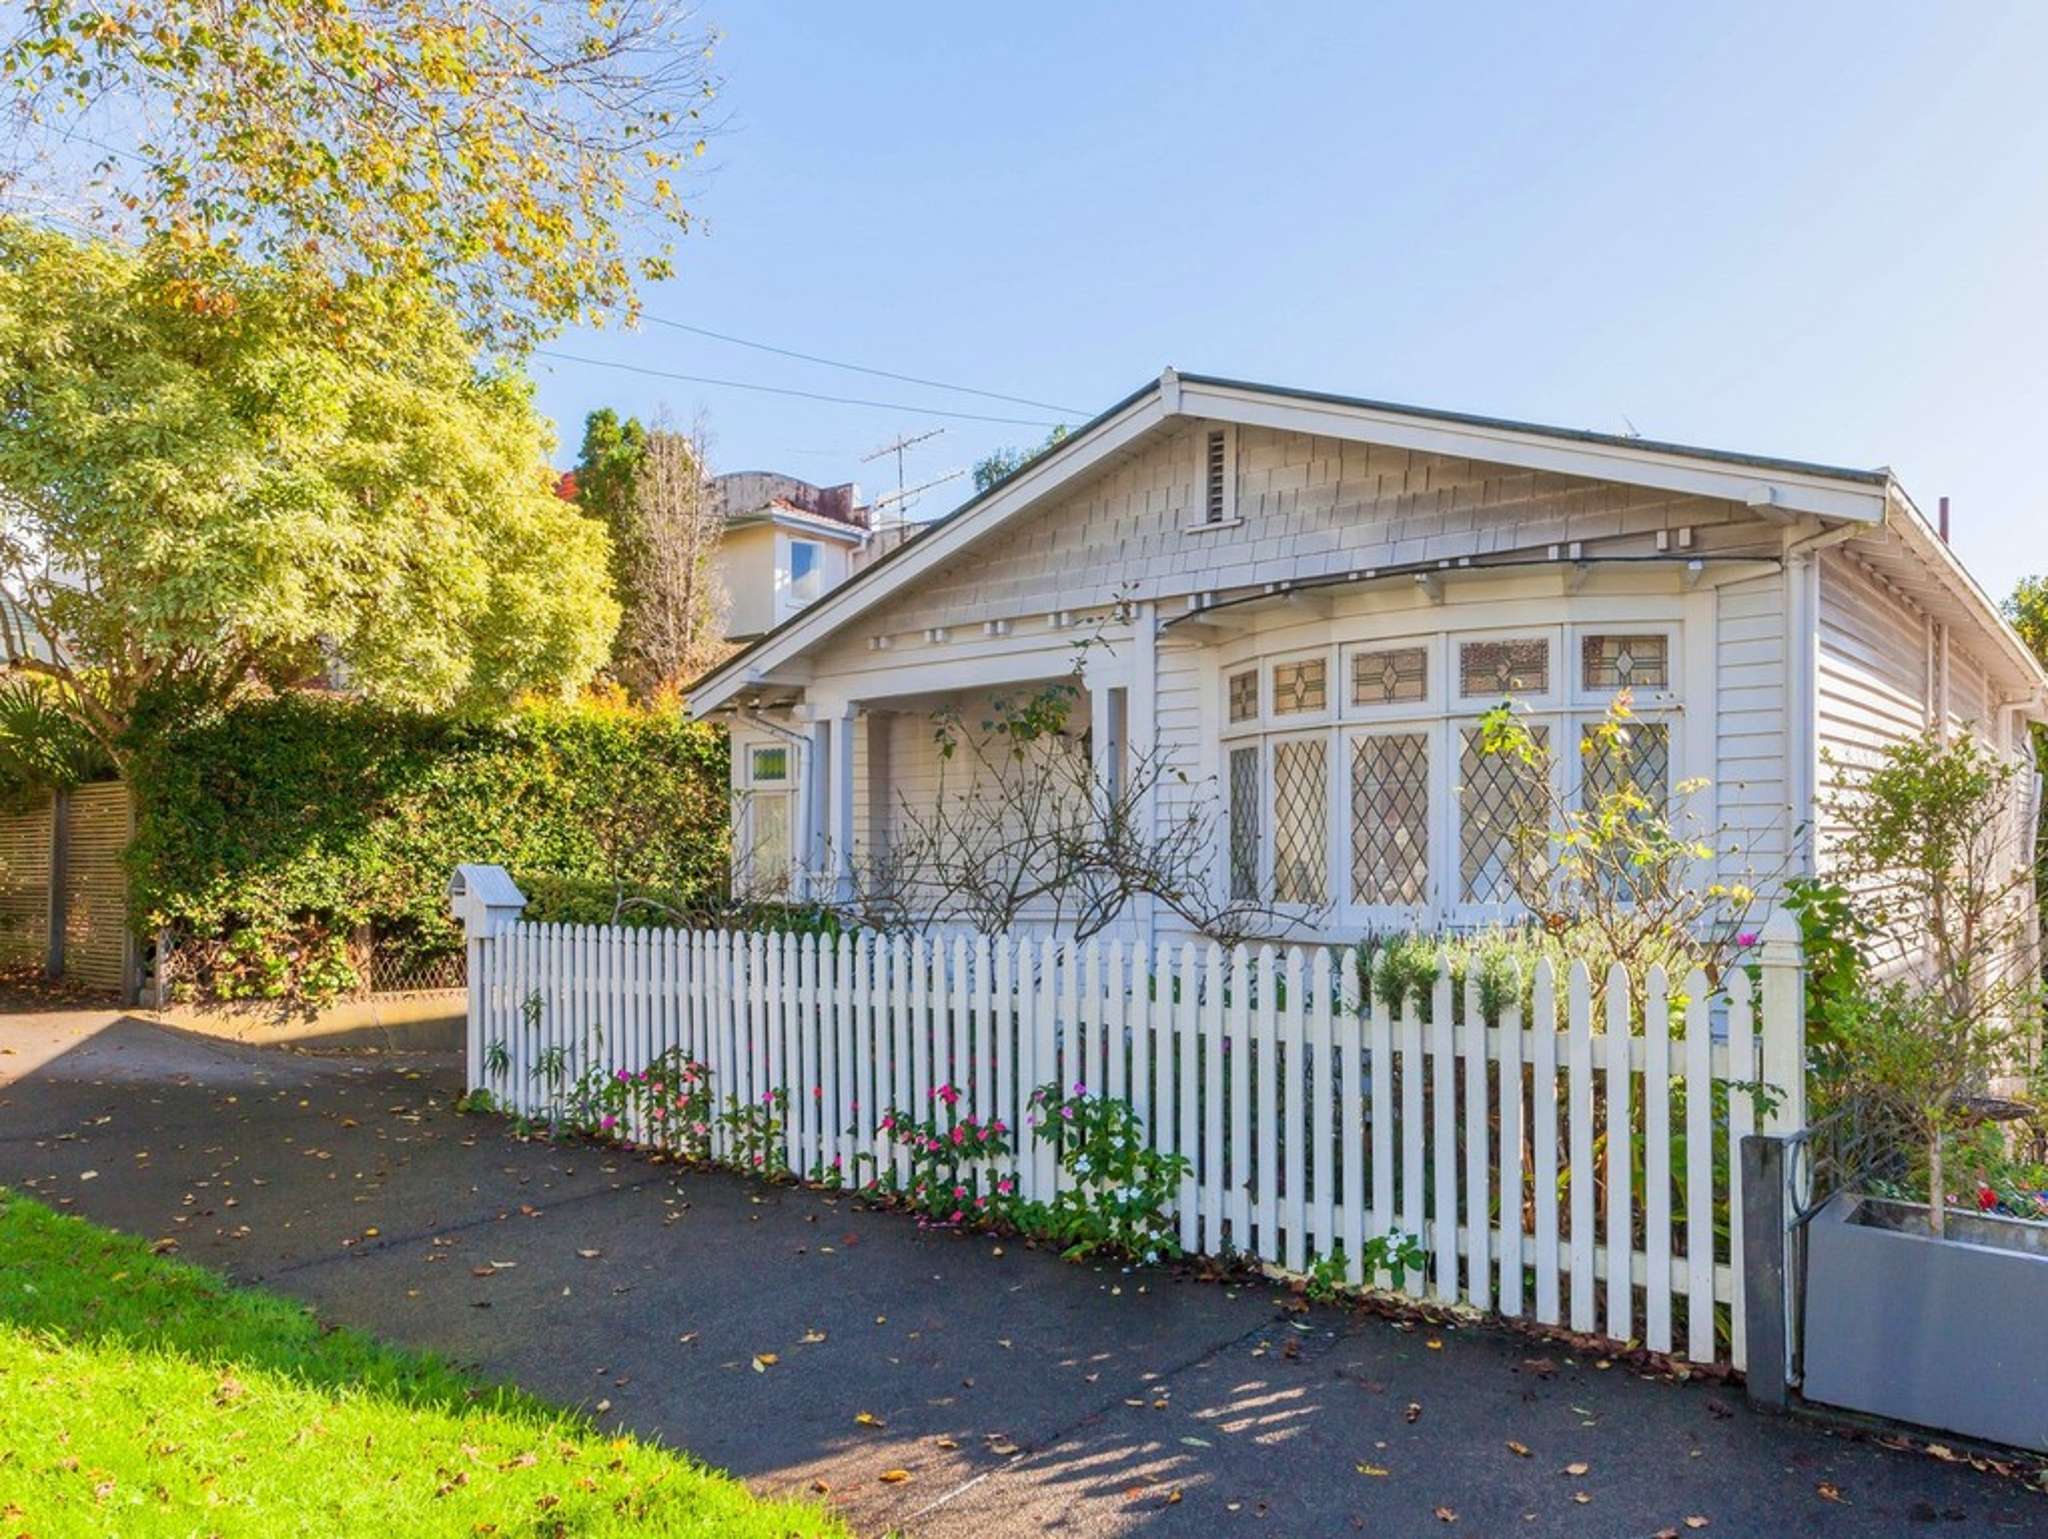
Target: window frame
{"x": 1278, "y": 720}
{"x": 816, "y": 575}
{"x": 1551, "y": 635}
{"x": 1269, "y": 843}
{"x": 1581, "y": 696}
{"x": 1379, "y": 916}
{"x": 1432, "y": 703}
{"x": 1440, "y": 718}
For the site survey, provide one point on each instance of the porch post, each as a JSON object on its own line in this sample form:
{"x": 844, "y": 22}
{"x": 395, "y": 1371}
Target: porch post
{"x": 1142, "y": 731}
{"x": 840, "y": 798}
{"x": 812, "y": 805}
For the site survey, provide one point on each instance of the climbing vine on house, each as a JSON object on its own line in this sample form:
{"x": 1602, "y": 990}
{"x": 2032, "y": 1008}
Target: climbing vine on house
{"x": 271, "y": 834}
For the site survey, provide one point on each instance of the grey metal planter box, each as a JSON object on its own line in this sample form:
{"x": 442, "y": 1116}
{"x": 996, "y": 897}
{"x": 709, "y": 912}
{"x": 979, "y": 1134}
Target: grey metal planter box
{"x": 1949, "y": 1333}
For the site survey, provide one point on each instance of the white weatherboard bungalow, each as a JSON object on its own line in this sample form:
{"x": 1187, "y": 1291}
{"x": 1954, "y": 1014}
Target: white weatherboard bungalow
{"x": 1308, "y": 600}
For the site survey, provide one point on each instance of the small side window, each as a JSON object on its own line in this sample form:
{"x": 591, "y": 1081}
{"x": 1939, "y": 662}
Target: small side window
{"x": 770, "y": 766}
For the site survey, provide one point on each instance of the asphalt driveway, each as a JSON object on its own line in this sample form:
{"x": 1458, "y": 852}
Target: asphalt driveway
{"x": 942, "y": 1384}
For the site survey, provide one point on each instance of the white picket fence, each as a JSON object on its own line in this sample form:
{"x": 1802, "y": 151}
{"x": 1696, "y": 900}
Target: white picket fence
{"x": 1311, "y": 1124}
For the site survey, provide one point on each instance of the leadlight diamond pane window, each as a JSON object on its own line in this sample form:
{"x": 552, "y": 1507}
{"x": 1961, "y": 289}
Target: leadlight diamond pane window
{"x": 1625, "y": 662}
{"x": 1643, "y": 760}
{"x": 1301, "y": 820}
{"x": 772, "y": 847}
{"x": 1499, "y": 669}
{"x": 771, "y": 766}
{"x": 1383, "y": 678}
{"x": 1390, "y": 819}
{"x": 1498, "y": 797}
{"x": 1299, "y": 687}
{"x": 1244, "y": 695}
{"x": 1244, "y": 824}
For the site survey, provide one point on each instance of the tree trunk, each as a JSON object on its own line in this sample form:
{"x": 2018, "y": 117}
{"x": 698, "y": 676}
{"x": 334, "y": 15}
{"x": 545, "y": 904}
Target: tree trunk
{"x": 1937, "y": 1199}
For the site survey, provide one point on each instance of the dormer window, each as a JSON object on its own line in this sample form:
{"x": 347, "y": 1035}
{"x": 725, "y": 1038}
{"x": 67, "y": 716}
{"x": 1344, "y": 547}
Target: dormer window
{"x": 806, "y": 571}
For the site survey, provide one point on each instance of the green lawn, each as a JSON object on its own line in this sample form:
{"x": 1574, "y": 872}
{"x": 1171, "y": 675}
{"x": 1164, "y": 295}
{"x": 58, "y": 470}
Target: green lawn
{"x": 141, "y": 1396}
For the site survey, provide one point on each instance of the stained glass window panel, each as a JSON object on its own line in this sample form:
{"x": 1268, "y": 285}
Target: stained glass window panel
{"x": 1499, "y": 797}
{"x": 1625, "y": 662}
{"x": 1244, "y": 824}
{"x": 1244, "y": 695}
{"x": 1390, "y": 819}
{"x": 1301, "y": 820}
{"x": 771, "y": 766}
{"x": 1299, "y": 687}
{"x": 1501, "y": 669}
{"x": 1387, "y": 678}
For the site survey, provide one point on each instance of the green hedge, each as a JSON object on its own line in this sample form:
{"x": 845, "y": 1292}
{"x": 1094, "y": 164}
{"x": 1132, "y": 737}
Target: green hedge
{"x": 270, "y": 832}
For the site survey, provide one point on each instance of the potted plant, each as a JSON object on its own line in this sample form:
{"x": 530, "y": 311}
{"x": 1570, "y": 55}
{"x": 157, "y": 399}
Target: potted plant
{"x": 1915, "y": 1309}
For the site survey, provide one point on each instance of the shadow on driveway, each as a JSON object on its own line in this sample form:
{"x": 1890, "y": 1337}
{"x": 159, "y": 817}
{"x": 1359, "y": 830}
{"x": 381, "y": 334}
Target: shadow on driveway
{"x": 948, "y": 1384}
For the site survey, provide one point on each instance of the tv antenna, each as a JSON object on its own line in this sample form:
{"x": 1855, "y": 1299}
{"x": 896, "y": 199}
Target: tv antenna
{"x": 902, "y": 496}
{"x": 901, "y": 443}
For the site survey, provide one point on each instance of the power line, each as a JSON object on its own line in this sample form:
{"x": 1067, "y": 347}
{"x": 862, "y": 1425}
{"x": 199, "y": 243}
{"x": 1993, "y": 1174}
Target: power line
{"x": 807, "y": 395}
{"x": 859, "y": 368}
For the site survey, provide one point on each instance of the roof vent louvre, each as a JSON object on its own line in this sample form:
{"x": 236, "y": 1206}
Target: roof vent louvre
{"x": 1216, "y": 487}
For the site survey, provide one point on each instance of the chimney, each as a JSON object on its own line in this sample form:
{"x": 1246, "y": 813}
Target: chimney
{"x": 1942, "y": 523}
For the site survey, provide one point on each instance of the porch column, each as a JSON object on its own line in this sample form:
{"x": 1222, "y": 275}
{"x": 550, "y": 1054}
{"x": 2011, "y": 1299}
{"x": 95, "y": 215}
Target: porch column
{"x": 839, "y": 803}
{"x": 815, "y": 837}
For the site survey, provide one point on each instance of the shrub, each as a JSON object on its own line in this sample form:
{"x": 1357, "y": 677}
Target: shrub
{"x": 270, "y": 832}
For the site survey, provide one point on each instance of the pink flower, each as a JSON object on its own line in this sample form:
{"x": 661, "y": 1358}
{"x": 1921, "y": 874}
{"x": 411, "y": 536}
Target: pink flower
{"x": 957, "y": 1216}
{"x": 1079, "y": 1088}
{"x": 959, "y": 1191}
{"x": 608, "y": 1122}
{"x": 1746, "y": 939}
{"x": 1067, "y": 1112}
{"x": 1006, "y": 1186}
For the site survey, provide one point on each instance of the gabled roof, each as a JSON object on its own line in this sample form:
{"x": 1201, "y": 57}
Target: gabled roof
{"x": 1832, "y": 492}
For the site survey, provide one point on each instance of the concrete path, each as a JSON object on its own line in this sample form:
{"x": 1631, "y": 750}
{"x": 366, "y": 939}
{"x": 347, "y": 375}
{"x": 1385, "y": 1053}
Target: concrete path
{"x": 1017, "y": 1393}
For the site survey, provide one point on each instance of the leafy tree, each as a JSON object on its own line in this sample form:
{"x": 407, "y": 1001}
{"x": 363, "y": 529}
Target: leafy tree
{"x": 2028, "y": 611}
{"x": 523, "y": 159}
{"x": 607, "y": 465}
{"x": 1004, "y": 463}
{"x": 209, "y": 484}
{"x": 1939, "y": 882}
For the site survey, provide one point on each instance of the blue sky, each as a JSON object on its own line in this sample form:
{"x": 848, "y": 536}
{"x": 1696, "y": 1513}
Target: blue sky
{"x": 1815, "y": 230}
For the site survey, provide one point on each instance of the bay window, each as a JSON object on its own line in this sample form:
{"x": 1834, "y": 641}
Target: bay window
{"x": 1372, "y": 805}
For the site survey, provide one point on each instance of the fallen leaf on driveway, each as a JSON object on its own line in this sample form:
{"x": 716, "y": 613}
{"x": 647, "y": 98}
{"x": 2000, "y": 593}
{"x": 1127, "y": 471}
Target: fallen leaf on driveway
{"x": 590, "y": 1255}
{"x": 1695, "y": 1521}
{"x": 1377, "y": 1471}
{"x": 1577, "y": 1467}
{"x": 868, "y": 1419}
{"x": 1519, "y": 1450}
{"x": 894, "y": 1477}
{"x": 1414, "y": 1412}
{"x": 812, "y": 1337}
{"x": 763, "y": 1361}
{"x": 1828, "y": 1491}
{"x": 1446, "y": 1515}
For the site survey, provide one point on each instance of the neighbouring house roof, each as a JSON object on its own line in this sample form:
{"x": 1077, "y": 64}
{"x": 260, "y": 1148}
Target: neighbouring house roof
{"x": 1786, "y": 487}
